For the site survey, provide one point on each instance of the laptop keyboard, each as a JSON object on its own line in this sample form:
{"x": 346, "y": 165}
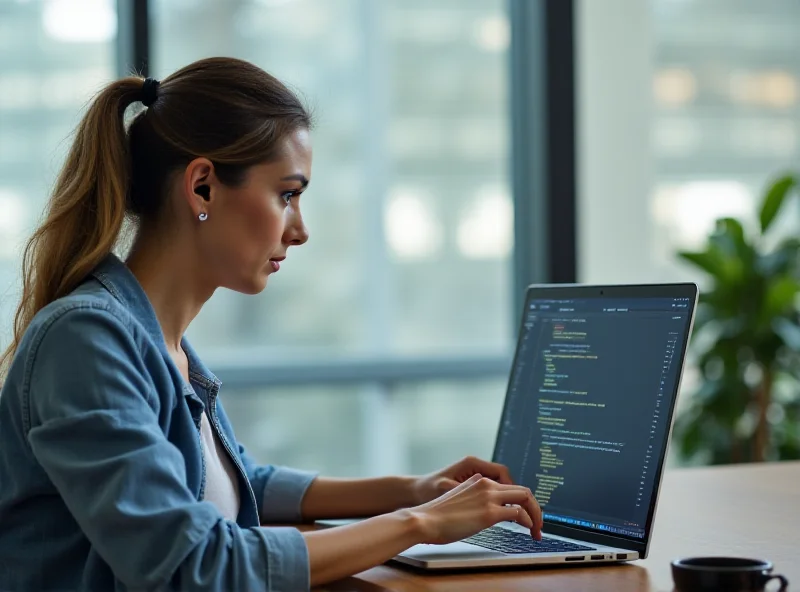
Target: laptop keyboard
{"x": 508, "y": 541}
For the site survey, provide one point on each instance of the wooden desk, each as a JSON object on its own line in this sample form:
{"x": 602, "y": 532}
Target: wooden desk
{"x": 751, "y": 511}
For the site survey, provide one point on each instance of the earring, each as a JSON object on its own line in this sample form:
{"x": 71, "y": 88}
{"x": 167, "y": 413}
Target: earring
{"x": 202, "y": 217}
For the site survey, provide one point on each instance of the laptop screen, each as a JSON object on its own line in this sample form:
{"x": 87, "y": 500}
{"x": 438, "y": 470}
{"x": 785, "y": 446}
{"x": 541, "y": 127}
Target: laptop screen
{"x": 590, "y": 401}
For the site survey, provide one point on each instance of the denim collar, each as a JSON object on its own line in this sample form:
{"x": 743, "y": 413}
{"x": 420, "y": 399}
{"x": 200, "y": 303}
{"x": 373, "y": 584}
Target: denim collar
{"x": 115, "y": 277}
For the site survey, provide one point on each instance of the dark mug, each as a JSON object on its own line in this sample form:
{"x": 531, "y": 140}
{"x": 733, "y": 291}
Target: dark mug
{"x": 731, "y": 574}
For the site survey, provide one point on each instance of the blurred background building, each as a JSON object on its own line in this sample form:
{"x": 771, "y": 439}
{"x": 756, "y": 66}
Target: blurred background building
{"x": 382, "y": 345}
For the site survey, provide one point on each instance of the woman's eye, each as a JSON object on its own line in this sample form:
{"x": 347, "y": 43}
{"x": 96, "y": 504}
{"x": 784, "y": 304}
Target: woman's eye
{"x": 287, "y": 196}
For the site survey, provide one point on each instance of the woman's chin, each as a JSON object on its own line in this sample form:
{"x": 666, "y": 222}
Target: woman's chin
{"x": 259, "y": 284}
{"x": 252, "y": 285}
{"x": 252, "y": 281}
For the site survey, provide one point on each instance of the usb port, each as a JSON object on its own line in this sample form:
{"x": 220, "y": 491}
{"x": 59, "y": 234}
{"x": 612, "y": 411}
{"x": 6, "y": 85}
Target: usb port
{"x": 579, "y": 558}
{"x": 598, "y": 556}
{"x": 622, "y": 555}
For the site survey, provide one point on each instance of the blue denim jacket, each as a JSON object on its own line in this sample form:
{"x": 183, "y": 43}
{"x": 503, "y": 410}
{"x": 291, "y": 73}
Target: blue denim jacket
{"x": 101, "y": 465}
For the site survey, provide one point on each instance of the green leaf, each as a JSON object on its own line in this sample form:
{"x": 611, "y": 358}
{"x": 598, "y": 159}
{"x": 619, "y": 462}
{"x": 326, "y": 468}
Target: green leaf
{"x": 782, "y": 259}
{"x": 718, "y": 306}
{"x": 710, "y": 261}
{"x": 774, "y": 199}
{"x": 730, "y": 232}
{"x": 780, "y": 296}
{"x": 691, "y": 437}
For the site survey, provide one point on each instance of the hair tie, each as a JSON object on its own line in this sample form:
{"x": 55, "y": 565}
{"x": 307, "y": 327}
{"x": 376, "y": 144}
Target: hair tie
{"x": 149, "y": 91}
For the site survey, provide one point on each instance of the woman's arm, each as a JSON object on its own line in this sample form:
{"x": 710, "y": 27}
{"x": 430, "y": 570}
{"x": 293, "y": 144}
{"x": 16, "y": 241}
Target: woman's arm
{"x": 345, "y": 498}
{"x": 472, "y": 506}
{"x": 336, "y": 553}
{"x": 338, "y": 498}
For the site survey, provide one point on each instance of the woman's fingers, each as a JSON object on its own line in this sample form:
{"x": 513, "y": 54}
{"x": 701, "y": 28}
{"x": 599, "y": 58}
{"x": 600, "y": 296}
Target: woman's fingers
{"x": 494, "y": 471}
{"x": 523, "y": 497}
{"x": 515, "y": 514}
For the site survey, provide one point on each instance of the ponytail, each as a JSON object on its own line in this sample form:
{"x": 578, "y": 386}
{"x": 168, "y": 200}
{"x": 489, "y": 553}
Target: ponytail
{"x": 86, "y": 210}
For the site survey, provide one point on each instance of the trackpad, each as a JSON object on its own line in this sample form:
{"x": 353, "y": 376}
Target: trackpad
{"x": 465, "y": 550}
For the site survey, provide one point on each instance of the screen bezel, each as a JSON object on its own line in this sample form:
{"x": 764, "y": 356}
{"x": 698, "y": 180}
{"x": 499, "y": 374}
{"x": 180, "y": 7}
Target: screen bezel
{"x": 584, "y": 291}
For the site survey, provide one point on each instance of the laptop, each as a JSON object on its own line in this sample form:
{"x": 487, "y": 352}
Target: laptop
{"x": 585, "y": 425}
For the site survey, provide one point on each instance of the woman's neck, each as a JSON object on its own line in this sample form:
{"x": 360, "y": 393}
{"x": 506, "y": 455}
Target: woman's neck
{"x": 169, "y": 276}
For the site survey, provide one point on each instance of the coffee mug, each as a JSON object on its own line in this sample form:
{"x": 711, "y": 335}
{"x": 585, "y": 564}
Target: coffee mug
{"x": 728, "y": 574}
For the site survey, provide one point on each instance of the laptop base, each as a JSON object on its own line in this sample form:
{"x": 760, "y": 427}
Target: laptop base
{"x": 462, "y": 555}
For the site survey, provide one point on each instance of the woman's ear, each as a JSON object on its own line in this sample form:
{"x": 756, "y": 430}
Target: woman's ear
{"x": 203, "y": 191}
{"x": 198, "y": 184}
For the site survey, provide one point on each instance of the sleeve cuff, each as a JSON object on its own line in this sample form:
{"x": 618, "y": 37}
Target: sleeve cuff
{"x": 283, "y": 495}
{"x": 287, "y": 559}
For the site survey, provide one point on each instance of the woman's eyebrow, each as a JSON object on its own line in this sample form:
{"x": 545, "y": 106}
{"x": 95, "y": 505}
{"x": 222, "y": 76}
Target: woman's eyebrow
{"x": 297, "y": 177}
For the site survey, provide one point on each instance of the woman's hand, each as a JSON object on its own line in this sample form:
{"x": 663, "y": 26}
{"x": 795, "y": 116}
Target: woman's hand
{"x": 461, "y": 511}
{"x": 475, "y": 504}
{"x": 431, "y": 486}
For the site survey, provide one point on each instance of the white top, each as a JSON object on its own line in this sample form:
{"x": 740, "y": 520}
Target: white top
{"x": 222, "y": 486}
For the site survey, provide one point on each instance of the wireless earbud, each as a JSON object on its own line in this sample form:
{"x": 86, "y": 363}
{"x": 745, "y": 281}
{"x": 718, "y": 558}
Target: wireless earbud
{"x": 203, "y": 191}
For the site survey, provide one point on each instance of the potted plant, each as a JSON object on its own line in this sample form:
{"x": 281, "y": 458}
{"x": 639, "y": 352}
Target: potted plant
{"x": 746, "y": 343}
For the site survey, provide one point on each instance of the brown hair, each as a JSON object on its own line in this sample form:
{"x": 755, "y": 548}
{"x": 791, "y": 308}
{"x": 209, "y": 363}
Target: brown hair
{"x": 224, "y": 109}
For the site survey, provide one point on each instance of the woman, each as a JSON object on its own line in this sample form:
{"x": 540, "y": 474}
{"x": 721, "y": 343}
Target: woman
{"x": 118, "y": 466}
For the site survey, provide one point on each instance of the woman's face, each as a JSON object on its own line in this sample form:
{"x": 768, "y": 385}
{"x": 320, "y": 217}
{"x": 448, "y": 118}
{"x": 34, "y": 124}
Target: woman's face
{"x": 250, "y": 227}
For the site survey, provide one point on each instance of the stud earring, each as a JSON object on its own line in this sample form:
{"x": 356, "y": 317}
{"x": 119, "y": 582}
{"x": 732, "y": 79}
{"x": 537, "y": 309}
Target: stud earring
{"x": 202, "y": 217}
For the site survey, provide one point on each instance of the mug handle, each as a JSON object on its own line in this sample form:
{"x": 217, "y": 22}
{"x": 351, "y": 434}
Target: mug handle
{"x": 767, "y": 577}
